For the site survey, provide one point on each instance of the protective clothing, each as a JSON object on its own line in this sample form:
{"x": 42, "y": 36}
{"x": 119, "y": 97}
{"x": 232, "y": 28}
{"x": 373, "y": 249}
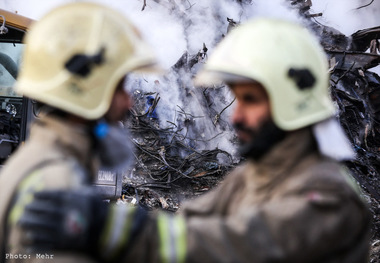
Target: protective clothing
{"x": 79, "y": 220}
{"x": 294, "y": 205}
{"x": 76, "y": 55}
{"x": 56, "y": 156}
{"x": 74, "y": 59}
{"x": 285, "y": 59}
{"x": 74, "y": 223}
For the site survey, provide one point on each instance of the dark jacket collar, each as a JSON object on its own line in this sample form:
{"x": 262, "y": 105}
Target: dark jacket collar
{"x": 281, "y": 159}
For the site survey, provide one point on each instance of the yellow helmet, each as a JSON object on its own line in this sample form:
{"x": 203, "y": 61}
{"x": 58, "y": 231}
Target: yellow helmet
{"x": 285, "y": 59}
{"x": 76, "y": 55}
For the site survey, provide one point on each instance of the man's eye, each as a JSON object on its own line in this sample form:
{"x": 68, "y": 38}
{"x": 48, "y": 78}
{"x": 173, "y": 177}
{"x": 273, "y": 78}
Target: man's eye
{"x": 250, "y": 99}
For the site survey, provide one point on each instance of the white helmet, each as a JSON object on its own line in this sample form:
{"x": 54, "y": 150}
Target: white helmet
{"x": 285, "y": 59}
{"x": 76, "y": 55}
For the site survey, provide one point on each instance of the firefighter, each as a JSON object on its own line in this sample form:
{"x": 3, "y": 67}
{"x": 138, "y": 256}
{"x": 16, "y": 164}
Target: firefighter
{"x": 74, "y": 64}
{"x": 290, "y": 201}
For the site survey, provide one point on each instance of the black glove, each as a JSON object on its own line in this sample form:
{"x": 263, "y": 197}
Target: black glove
{"x": 65, "y": 220}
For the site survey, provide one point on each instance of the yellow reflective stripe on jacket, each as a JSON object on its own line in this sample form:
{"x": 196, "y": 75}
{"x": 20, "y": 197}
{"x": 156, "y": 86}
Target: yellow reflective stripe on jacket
{"x": 172, "y": 234}
{"x": 25, "y": 194}
{"x": 351, "y": 181}
{"x": 117, "y": 230}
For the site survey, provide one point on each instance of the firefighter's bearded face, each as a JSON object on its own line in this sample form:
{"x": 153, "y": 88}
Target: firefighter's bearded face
{"x": 252, "y": 120}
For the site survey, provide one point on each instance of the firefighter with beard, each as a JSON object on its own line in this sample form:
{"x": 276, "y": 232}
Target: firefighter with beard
{"x": 290, "y": 201}
{"x": 75, "y": 63}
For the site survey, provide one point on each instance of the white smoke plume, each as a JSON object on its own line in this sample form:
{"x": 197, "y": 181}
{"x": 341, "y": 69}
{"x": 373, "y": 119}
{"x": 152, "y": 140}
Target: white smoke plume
{"x": 187, "y": 27}
{"x": 178, "y": 26}
{"x": 344, "y": 16}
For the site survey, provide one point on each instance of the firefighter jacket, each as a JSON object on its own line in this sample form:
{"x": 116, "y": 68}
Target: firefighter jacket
{"x": 56, "y": 156}
{"x": 294, "y": 205}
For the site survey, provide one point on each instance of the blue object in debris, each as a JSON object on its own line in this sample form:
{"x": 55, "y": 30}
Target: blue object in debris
{"x": 149, "y": 103}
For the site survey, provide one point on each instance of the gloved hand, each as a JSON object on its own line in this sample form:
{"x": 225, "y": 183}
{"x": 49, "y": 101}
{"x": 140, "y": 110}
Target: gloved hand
{"x": 65, "y": 220}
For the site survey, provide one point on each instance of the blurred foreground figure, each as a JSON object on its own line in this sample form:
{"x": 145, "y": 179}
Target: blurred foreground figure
{"x": 75, "y": 63}
{"x": 290, "y": 201}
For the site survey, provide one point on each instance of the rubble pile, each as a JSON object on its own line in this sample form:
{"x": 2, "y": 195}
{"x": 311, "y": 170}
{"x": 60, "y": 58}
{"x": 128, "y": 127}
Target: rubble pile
{"x": 169, "y": 167}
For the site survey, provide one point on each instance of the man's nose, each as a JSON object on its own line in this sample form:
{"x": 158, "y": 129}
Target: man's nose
{"x": 237, "y": 115}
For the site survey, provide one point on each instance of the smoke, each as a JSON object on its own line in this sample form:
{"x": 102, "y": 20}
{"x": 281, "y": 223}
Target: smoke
{"x": 180, "y": 28}
{"x": 344, "y": 16}
{"x": 33, "y": 9}
{"x": 178, "y": 31}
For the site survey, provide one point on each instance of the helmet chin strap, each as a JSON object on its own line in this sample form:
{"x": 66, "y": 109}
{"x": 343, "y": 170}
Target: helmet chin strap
{"x": 332, "y": 141}
{"x": 114, "y": 145}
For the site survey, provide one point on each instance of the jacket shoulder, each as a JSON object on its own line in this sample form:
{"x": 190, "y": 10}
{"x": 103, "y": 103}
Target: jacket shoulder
{"x": 330, "y": 173}
{"x": 327, "y": 182}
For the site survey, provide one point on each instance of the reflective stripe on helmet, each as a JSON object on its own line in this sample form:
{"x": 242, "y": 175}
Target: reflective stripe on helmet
{"x": 172, "y": 233}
